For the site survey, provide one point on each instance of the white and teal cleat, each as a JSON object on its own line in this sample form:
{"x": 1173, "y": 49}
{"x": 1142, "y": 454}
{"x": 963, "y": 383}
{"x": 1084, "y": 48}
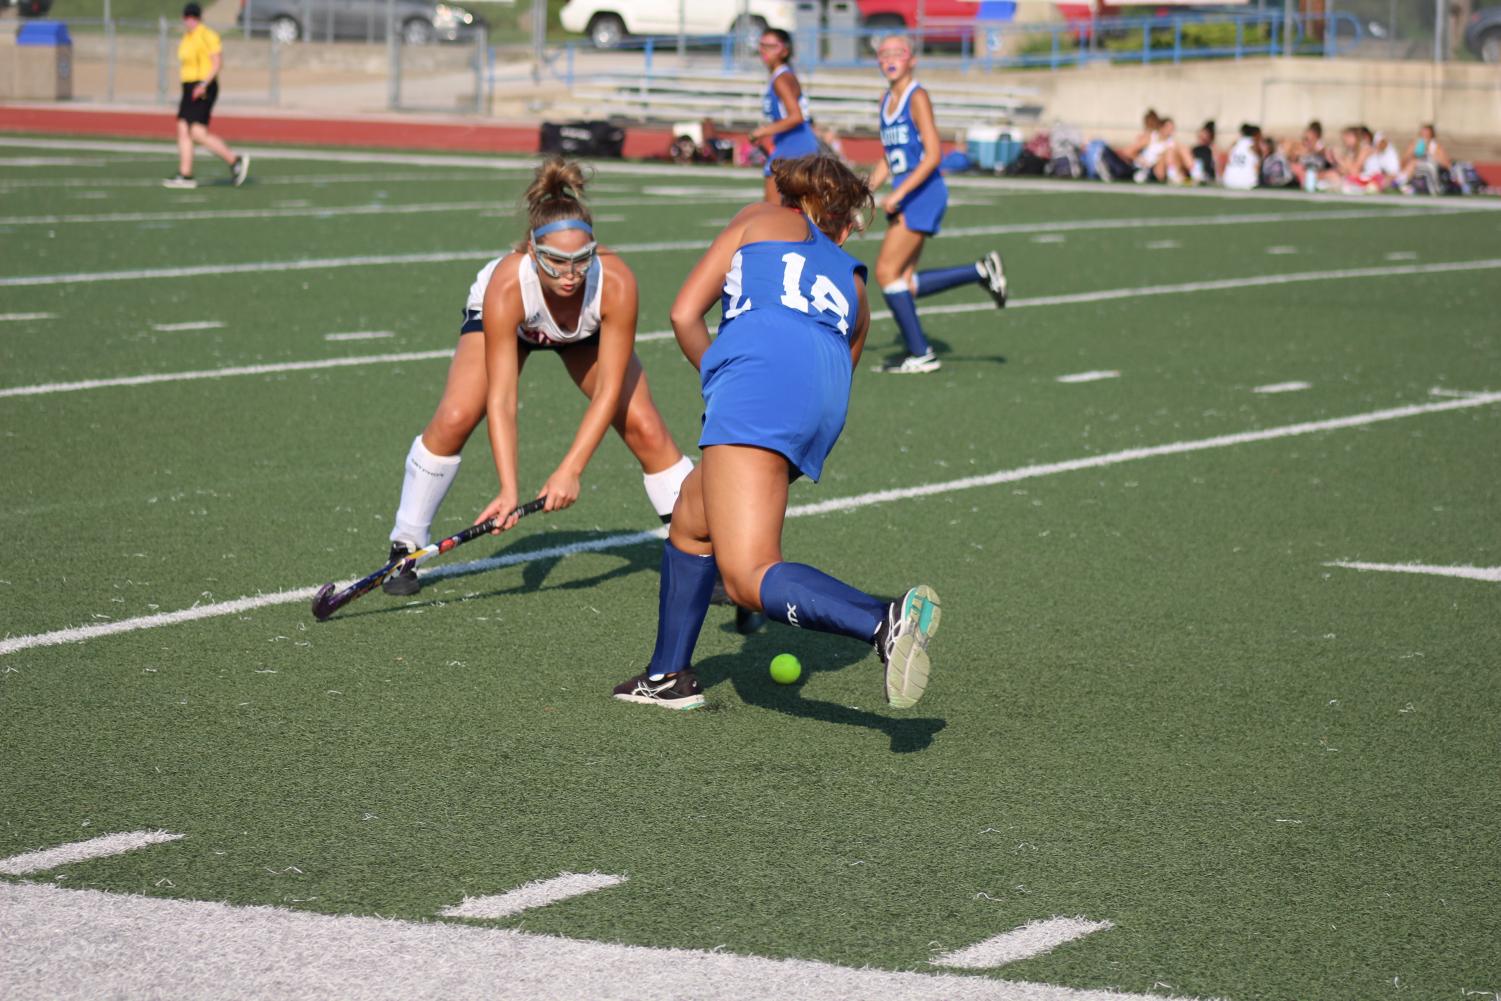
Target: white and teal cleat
{"x": 902, "y": 641}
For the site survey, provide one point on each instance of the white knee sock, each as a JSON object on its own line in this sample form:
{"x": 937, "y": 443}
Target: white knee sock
{"x": 426, "y": 483}
{"x": 662, "y": 488}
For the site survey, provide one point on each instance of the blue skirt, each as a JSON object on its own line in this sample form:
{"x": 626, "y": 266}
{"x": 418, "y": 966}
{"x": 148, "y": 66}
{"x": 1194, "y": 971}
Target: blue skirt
{"x": 923, "y": 210}
{"x": 800, "y": 141}
{"x": 777, "y": 383}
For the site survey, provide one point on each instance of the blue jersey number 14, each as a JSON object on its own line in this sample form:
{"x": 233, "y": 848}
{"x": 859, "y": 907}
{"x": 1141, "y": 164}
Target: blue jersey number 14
{"x": 826, "y": 295}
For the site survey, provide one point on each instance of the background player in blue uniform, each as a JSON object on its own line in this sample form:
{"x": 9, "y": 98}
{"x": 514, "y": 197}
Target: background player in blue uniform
{"x": 915, "y": 207}
{"x": 784, "y": 107}
{"x": 776, "y": 386}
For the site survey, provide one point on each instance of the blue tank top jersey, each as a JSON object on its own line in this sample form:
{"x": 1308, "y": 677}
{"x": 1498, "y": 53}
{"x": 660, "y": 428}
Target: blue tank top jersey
{"x": 900, "y": 136}
{"x": 813, "y": 280}
{"x": 773, "y": 110}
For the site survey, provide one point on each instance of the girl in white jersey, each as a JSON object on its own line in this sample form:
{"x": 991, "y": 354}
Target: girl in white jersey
{"x": 559, "y": 291}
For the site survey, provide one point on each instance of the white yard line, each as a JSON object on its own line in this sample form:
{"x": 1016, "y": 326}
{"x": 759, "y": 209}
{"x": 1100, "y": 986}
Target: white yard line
{"x": 76, "y": 634}
{"x": 1090, "y": 376}
{"x": 492, "y": 207}
{"x": 445, "y": 256}
{"x": 221, "y": 373}
{"x": 1032, "y": 939}
{"x": 1467, "y": 572}
{"x": 1282, "y": 387}
{"x": 17, "y": 317}
{"x": 82, "y": 851}
{"x": 84, "y": 944}
{"x": 360, "y": 335}
{"x": 1069, "y": 299}
{"x": 540, "y": 893}
{"x": 172, "y": 328}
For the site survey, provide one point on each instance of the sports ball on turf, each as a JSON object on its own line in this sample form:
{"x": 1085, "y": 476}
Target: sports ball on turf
{"x": 785, "y": 668}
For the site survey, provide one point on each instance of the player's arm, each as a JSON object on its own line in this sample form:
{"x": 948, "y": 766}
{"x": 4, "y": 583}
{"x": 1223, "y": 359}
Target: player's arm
{"x": 879, "y": 176}
{"x": 215, "y": 60}
{"x": 502, "y": 314}
{"x": 788, "y": 90}
{"x": 704, "y": 283}
{"x": 932, "y": 147}
{"x": 862, "y": 322}
{"x": 617, "y": 339}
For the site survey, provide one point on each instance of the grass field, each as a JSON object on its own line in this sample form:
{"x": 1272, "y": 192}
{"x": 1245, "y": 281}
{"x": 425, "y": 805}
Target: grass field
{"x": 1158, "y": 701}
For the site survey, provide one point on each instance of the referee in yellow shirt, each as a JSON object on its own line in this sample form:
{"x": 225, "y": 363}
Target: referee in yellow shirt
{"x": 200, "y": 54}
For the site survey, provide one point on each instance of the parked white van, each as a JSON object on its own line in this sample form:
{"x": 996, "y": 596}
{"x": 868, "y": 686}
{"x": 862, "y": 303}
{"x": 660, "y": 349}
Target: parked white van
{"x": 608, "y": 22}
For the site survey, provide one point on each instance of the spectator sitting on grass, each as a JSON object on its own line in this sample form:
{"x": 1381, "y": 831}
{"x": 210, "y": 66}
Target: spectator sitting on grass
{"x": 1425, "y": 158}
{"x": 1343, "y": 162}
{"x": 1243, "y": 164}
{"x": 1205, "y": 162}
{"x": 1309, "y": 154}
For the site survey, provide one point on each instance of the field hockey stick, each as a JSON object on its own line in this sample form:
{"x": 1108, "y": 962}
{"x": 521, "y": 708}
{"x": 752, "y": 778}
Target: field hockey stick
{"x": 326, "y": 602}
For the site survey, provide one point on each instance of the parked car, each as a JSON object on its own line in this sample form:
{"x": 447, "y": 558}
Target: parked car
{"x": 609, "y": 22}
{"x": 1483, "y": 34}
{"x": 420, "y": 21}
{"x": 29, "y": 8}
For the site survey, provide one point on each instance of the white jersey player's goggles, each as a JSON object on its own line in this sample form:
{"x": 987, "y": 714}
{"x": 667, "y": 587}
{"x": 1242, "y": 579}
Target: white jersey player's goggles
{"x": 557, "y": 263}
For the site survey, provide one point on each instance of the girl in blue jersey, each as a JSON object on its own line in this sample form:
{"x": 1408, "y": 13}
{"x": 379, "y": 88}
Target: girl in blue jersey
{"x": 785, "y": 108}
{"x": 915, "y": 207}
{"x": 776, "y": 385}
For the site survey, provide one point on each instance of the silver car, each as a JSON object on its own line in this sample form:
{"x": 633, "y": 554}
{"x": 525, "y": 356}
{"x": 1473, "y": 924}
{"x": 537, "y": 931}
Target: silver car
{"x": 418, "y": 21}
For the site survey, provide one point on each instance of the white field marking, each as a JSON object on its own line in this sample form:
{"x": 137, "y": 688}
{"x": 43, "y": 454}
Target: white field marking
{"x": 221, "y": 373}
{"x": 721, "y": 173}
{"x": 1032, "y": 939}
{"x": 53, "y": 161}
{"x": 360, "y": 335}
{"x": 1283, "y": 387}
{"x": 171, "y": 328}
{"x": 300, "y": 180}
{"x": 1090, "y": 376}
{"x": 603, "y": 543}
{"x": 1467, "y": 572}
{"x": 1068, "y": 299}
{"x": 492, "y": 207}
{"x": 1282, "y": 250}
{"x": 14, "y": 317}
{"x": 1402, "y": 255}
{"x": 538, "y": 893}
{"x": 1050, "y": 238}
{"x": 1163, "y": 245}
{"x": 1441, "y": 391}
{"x": 82, "y": 851}
{"x": 81, "y": 944}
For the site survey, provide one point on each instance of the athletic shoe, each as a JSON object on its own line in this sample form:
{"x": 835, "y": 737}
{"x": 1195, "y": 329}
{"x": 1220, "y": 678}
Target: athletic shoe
{"x": 240, "y": 169}
{"x": 180, "y": 181}
{"x": 403, "y": 583}
{"x": 995, "y": 277}
{"x": 902, "y": 640}
{"x": 671, "y": 691}
{"x": 747, "y": 621}
{"x": 912, "y": 364}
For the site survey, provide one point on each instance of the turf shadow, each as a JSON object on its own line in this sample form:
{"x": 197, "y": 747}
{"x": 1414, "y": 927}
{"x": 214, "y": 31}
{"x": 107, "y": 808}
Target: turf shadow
{"x": 646, "y": 556}
{"x": 747, "y": 674}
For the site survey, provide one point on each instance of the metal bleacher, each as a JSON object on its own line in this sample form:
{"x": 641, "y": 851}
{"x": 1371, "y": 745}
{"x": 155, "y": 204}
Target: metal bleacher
{"x": 848, "y": 102}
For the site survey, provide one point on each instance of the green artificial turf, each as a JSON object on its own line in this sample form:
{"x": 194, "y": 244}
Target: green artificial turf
{"x": 1153, "y": 702}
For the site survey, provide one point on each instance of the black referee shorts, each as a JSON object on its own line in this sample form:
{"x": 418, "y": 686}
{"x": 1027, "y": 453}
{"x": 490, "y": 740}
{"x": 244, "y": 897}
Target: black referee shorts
{"x": 197, "y": 112}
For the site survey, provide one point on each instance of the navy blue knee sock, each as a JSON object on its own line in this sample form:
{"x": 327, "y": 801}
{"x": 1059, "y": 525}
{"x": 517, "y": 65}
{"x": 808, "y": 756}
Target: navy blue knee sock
{"x": 943, "y": 279}
{"x": 904, "y": 311}
{"x": 803, "y": 596}
{"x": 682, "y": 601}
